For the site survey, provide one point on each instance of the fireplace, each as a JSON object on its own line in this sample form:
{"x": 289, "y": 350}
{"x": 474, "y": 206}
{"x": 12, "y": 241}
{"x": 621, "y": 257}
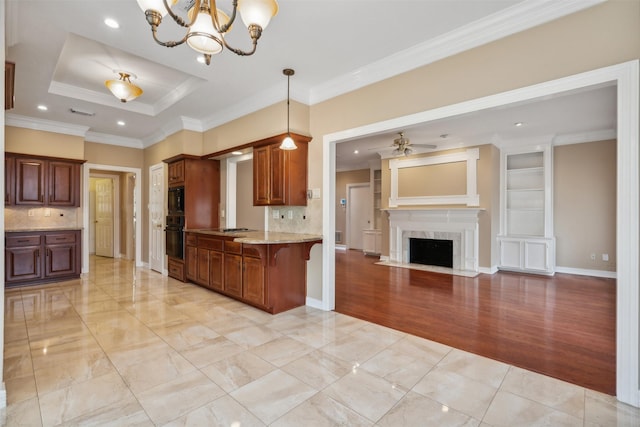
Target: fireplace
{"x": 458, "y": 226}
{"x": 431, "y": 252}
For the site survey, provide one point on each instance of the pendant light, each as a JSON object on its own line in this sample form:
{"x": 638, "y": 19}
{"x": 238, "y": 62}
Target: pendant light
{"x": 122, "y": 88}
{"x": 287, "y": 142}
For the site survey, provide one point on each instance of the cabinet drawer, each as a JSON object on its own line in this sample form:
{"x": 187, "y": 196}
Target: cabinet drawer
{"x": 16, "y": 241}
{"x": 192, "y": 240}
{"x": 233, "y": 247}
{"x": 176, "y": 269}
{"x": 60, "y": 238}
{"x": 210, "y": 243}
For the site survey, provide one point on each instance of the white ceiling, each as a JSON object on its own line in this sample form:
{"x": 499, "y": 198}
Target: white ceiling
{"x": 64, "y": 53}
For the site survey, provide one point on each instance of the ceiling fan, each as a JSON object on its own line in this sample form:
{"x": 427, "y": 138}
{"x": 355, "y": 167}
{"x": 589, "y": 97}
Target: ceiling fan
{"x": 403, "y": 146}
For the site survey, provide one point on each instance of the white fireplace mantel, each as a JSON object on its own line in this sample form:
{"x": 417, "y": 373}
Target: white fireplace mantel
{"x": 457, "y": 224}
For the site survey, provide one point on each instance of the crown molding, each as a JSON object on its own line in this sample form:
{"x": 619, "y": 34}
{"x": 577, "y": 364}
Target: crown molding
{"x": 517, "y": 18}
{"x": 579, "y": 138}
{"x": 105, "y": 138}
{"x": 16, "y": 120}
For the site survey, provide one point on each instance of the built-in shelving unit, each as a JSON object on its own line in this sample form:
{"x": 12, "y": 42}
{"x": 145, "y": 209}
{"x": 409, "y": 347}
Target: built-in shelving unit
{"x": 372, "y": 238}
{"x": 526, "y": 222}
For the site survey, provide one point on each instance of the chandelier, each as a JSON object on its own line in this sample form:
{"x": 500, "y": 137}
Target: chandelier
{"x": 122, "y": 88}
{"x": 207, "y": 24}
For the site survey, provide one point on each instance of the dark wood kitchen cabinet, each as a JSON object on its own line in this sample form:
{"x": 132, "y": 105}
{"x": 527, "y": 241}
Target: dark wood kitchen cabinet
{"x": 42, "y": 181}
{"x": 39, "y": 257}
{"x": 271, "y": 277}
{"x": 280, "y": 176}
{"x": 9, "y": 189}
{"x": 201, "y": 181}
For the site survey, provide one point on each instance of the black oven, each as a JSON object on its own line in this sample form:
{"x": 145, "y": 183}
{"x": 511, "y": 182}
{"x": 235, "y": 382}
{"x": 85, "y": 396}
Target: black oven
{"x": 174, "y": 236}
{"x": 175, "y": 201}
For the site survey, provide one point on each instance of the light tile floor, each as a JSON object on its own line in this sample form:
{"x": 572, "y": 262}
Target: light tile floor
{"x": 129, "y": 347}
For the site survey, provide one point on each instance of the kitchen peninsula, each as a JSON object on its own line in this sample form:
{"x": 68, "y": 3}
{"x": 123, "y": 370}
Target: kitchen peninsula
{"x": 261, "y": 268}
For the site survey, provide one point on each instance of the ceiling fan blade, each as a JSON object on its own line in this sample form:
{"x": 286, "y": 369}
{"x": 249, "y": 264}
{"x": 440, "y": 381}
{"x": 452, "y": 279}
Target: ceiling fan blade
{"x": 424, "y": 145}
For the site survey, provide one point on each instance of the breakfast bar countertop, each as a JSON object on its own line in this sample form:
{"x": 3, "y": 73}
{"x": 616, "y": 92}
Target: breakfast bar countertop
{"x": 259, "y": 237}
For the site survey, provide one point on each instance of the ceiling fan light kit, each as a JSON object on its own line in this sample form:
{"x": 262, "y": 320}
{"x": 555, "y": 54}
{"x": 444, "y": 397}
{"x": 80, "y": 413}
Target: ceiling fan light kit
{"x": 207, "y": 25}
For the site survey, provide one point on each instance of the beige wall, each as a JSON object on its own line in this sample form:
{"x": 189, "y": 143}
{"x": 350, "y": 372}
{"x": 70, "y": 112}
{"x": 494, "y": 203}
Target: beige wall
{"x": 41, "y": 143}
{"x": 113, "y": 155}
{"x": 584, "y": 177}
{"x": 247, "y": 215}
{"x": 433, "y": 180}
{"x": 342, "y": 179}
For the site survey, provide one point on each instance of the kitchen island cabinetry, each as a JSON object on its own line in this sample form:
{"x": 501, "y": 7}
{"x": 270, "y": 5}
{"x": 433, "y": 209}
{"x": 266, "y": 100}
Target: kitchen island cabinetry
{"x": 266, "y": 270}
{"x": 33, "y": 257}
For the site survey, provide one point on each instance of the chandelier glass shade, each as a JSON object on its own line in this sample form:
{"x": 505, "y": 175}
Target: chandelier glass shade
{"x": 206, "y": 24}
{"x": 288, "y": 143}
{"x": 122, "y": 88}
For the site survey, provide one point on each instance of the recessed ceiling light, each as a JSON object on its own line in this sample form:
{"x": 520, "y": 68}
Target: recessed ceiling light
{"x": 355, "y": 152}
{"x": 236, "y": 153}
{"x": 42, "y": 107}
{"x": 111, "y": 23}
{"x": 121, "y": 123}
{"x": 200, "y": 59}
{"x": 518, "y": 124}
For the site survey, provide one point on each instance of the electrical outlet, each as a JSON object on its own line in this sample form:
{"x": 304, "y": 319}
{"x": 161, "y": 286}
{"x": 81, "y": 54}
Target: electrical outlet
{"x": 290, "y": 214}
{"x": 31, "y": 212}
{"x": 275, "y": 214}
{"x": 593, "y": 257}
{"x": 605, "y": 257}
{"x": 47, "y": 211}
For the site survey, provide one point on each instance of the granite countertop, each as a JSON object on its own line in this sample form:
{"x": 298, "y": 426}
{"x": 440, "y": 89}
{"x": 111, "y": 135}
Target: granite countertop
{"x": 33, "y": 230}
{"x": 259, "y": 237}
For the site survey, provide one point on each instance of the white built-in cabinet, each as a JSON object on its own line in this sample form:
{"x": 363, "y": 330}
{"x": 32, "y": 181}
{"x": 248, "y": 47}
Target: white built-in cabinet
{"x": 372, "y": 238}
{"x": 526, "y": 237}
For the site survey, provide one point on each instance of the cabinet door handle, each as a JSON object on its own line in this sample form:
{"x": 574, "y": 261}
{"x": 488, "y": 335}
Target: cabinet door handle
{"x": 23, "y": 241}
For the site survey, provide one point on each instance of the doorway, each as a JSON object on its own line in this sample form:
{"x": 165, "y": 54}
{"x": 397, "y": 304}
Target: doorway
{"x": 357, "y": 214}
{"x": 127, "y": 233}
{"x": 625, "y": 77}
{"x": 104, "y": 202}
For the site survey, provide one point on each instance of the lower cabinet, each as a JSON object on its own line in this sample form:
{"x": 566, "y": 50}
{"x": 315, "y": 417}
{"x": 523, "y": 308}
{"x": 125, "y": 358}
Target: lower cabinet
{"x": 41, "y": 257}
{"x": 271, "y": 277}
{"x": 530, "y": 255}
{"x": 371, "y": 242}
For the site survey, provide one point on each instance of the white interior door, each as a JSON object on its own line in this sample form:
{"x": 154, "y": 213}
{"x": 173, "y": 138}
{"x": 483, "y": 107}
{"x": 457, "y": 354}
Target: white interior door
{"x": 358, "y": 211}
{"x": 156, "y": 217}
{"x": 104, "y": 217}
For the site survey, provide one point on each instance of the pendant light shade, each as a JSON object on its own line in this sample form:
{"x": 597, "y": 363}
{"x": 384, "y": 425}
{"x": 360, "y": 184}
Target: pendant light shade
{"x": 288, "y": 143}
{"x": 122, "y": 88}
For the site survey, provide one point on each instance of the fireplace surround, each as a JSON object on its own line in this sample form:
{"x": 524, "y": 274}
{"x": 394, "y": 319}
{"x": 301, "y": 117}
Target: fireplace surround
{"x": 460, "y": 225}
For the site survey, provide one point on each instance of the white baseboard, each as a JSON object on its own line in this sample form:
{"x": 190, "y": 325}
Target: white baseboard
{"x": 341, "y": 248}
{"x": 314, "y": 303}
{"x": 587, "y": 272}
{"x": 488, "y": 270}
{"x": 3, "y": 396}
{"x": 384, "y": 258}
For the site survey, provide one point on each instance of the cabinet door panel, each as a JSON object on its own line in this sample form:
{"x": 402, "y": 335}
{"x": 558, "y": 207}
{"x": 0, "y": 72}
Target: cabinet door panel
{"x": 510, "y": 254}
{"x": 9, "y": 190}
{"x": 277, "y": 171}
{"x": 176, "y": 172}
{"x": 233, "y": 274}
{"x": 191, "y": 258}
{"x": 253, "y": 280}
{"x": 216, "y": 274}
{"x": 22, "y": 263}
{"x": 261, "y": 176}
{"x": 202, "y": 271}
{"x": 63, "y": 184}
{"x": 535, "y": 256}
{"x": 60, "y": 260}
{"x": 30, "y": 185}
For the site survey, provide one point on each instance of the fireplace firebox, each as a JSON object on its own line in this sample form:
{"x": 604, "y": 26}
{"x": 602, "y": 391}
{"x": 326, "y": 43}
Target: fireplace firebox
{"x": 431, "y": 252}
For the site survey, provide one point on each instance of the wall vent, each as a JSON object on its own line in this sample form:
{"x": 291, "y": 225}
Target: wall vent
{"x": 338, "y": 236}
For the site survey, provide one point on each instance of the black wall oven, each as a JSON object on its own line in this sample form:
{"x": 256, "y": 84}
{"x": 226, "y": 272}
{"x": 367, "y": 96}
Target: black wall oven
{"x": 174, "y": 236}
{"x": 175, "y": 201}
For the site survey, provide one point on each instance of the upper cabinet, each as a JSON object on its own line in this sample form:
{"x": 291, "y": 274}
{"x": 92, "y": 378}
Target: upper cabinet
{"x": 526, "y": 222}
{"x": 176, "y": 173}
{"x": 42, "y": 181}
{"x": 280, "y": 176}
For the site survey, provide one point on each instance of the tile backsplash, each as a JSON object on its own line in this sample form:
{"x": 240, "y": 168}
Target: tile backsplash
{"x": 25, "y": 217}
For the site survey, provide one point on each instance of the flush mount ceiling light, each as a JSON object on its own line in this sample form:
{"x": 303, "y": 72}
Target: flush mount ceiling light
{"x": 287, "y": 142}
{"x": 122, "y": 88}
{"x": 206, "y": 24}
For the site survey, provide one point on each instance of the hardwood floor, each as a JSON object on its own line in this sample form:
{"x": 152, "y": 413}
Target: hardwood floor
{"x": 562, "y": 326}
